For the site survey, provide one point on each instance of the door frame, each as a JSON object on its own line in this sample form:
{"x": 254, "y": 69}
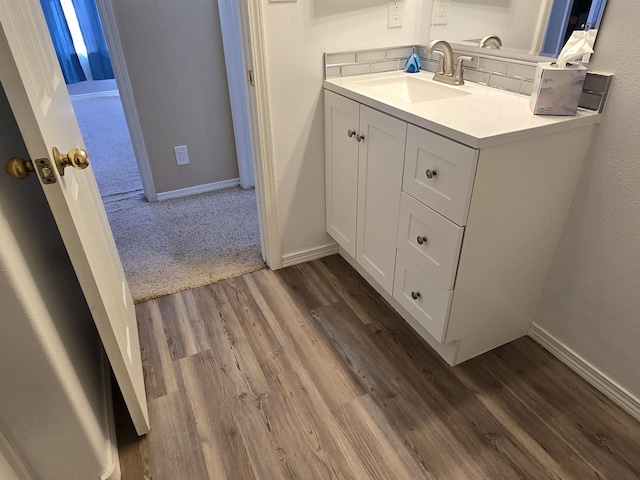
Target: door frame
{"x": 254, "y": 107}
{"x": 108, "y": 21}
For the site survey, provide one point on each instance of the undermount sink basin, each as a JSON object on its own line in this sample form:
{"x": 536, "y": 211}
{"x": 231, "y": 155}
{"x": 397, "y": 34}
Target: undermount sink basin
{"x": 412, "y": 90}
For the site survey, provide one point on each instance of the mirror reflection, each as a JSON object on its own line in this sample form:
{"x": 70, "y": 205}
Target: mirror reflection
{"x": 535, "y": 27}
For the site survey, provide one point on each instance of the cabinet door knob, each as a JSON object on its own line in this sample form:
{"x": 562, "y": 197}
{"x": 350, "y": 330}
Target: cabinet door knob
{"x": 351, "y": 133}
{"x": 415, "y": 295}
{"x": 359, "y": 137}
{"x": 422, "y": 240}
{"x": 431, "y": 174}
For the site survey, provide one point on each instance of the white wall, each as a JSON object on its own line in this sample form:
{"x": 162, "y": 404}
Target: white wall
{"x": 296, "y": 36}
{"x": 591, "y": 301}
{"x": 53, "y": 406}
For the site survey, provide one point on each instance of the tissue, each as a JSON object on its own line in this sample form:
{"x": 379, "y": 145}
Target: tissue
{"x": 557, "y": 86}
{"x": 576, "y": 47}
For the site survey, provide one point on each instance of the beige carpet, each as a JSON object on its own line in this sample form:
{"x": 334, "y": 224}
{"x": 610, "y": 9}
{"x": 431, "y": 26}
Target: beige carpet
{"x": 168, "y": 246}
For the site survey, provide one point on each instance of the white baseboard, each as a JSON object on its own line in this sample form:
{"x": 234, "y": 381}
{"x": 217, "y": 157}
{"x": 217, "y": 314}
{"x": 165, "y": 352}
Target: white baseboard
{"x": 102, "y": 94}
{"x": 309, "y": 254}
{"x": 207, "y": 187}
{"x": 600, "y": 380}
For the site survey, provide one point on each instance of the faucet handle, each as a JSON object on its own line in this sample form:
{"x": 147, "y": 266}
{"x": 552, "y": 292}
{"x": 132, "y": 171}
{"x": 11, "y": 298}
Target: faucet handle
{"x": 458, "y": 77}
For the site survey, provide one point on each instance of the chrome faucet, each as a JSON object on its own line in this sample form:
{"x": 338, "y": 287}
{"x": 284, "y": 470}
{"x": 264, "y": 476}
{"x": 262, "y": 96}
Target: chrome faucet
{"x": 490, "y": 41}
{"x": 444, "y": 72}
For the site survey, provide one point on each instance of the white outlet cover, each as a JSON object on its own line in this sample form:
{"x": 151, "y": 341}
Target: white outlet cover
{"x": 395, "y": 22}
{"x": 440, "y": 7}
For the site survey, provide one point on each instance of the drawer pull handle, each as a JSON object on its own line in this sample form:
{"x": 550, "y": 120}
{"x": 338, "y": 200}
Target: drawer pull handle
{"x": 431, "y": 174}
{"x": 359, "y": 138}
{"x": 351, "y": 133}
{"x": 415, "y": 295}
{"x": 422, "y": 240}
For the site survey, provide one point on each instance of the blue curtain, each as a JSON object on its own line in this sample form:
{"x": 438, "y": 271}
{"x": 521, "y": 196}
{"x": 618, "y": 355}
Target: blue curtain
{"x": 91, "y": 29}
{"x": 62, "y": 42}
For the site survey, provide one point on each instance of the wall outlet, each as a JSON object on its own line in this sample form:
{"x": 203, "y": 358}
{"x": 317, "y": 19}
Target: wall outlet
{"x": 440, "y": 14}
{"x": 182, "y": 155}
{"x": 396, "y": 14}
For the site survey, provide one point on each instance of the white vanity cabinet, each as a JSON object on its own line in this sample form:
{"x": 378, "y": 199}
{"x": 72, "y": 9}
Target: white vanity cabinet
{"x": 364, "y": 157}
{"x": 459, "y": 239}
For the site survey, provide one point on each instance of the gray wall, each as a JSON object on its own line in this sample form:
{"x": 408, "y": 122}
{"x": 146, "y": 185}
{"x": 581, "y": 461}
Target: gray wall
{"x": 591, "y": 301}
{"x": 52, "y": 398}
{"x": 173, "y": 51}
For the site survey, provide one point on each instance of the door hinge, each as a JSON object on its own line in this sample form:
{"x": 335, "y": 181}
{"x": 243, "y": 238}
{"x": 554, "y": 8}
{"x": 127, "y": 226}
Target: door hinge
{"x": 252, "y": 80}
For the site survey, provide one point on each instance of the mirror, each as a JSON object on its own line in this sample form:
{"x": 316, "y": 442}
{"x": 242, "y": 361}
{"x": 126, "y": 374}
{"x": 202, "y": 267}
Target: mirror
{"x": 531, "y": 27}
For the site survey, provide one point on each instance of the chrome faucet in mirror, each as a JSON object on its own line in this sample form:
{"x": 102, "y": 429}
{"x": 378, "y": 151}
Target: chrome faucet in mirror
{"x": 490, "y": 41}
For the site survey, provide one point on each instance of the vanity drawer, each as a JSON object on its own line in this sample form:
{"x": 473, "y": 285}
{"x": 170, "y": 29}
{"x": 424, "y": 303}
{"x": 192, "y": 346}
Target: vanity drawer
{"x": 424, "y": 298}
{"x": 429, "y": 240}
{"x": 440, "y": 173}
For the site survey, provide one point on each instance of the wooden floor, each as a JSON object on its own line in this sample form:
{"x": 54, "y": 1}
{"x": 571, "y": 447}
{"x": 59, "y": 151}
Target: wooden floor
{"x": 305, "y": 373}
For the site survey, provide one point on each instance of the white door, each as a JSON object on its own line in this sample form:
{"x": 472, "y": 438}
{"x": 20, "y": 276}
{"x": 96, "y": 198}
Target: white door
{"x": 36, "y": 90}
{"x": 381, "y": 158}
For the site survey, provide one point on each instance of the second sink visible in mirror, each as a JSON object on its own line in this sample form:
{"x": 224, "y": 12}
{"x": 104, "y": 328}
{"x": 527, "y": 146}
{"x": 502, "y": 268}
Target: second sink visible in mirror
{"x": 412, "y": 90}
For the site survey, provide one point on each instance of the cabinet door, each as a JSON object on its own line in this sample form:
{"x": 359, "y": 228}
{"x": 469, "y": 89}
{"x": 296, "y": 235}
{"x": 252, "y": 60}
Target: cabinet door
{"x": 341, "y": 169}
{"x": 381, "y": 157}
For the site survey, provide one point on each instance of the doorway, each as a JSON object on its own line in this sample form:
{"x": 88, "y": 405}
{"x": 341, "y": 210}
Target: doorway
{"x": 213, "y": 235}
{"x": 567, "y": 16}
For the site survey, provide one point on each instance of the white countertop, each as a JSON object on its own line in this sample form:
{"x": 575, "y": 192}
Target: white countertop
{"x": 486, "y": 118}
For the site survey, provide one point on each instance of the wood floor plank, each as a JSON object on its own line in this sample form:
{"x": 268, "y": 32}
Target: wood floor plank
{"x": 306, "y": 288}
{"x": 554, "y": 451}
{"x": 351, "y": 288}
{"x": 308, "y": 417}
{"x": 424, "y": 432}
{"x": 277, "y": 440}
{"x": 307, "y": 373}
{"x": 173, "y": 449}
{"x": 157, "y": 364}
{"x": 566, "y": 413}
{"x": 299, "y": 332}
{"x": 133, "y": 450}
{"x": 216, "y": 416}
{"x": 469, "y": 418}
{"x": 241, "y": 375}
{"x": 593, "y": 402}
{"x": 377, "y": 444}
{"x": 479, "y": 431}
{"x": 183, "y": 333}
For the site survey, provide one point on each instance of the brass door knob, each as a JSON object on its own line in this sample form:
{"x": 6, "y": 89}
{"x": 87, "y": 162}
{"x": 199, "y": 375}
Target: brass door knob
{"x": 77, "y": 158}
{"x": 18, "y": 168}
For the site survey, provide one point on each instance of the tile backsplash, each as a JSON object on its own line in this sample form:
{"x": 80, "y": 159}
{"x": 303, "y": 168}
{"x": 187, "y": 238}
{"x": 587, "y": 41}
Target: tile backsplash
{"x": 498, "y": 72}
{"x": 346, "y": 64}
